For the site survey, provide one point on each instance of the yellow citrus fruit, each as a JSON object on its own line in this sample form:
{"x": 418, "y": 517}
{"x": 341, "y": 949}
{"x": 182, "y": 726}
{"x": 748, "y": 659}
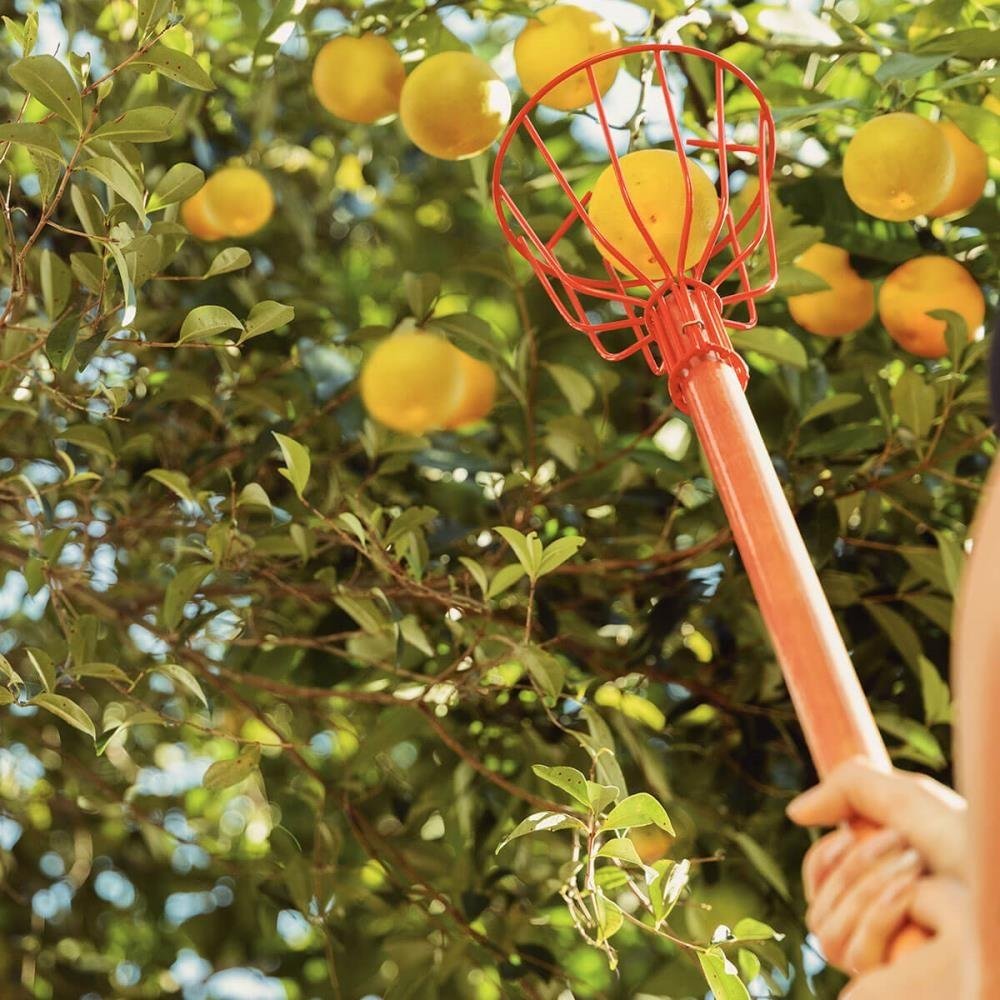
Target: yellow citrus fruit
{"x": 454, "y": 106}
{"x": 412, "y": 381}
{"x": 655, "y": 182}
{"x": 847, "y": 305}
{"x": 559, "y": 38}
{"x": 898, "y": 166}
{"x": 195, "y": 214}
{"x": 359, "y": 79}
{"x": 923, "y": 285}
{"x": 971, "y": 172}
{"x": 650, "y": 842}
{"x": 239, "y": 200}
{"x": 479, "y": 391}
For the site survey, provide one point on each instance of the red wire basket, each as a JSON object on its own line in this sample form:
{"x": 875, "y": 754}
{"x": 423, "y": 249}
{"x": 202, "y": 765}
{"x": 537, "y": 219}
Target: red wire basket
{"x": 675, "y": 318}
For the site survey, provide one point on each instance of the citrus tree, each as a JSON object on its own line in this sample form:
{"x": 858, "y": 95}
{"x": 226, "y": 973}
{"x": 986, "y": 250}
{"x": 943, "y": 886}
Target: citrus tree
{"x": 363, "y": 633}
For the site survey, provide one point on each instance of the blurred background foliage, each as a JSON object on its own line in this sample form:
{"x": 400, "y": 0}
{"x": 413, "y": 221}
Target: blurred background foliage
{"x": 263, "y": 733}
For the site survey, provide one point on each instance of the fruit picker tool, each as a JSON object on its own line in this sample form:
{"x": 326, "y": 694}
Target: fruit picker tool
{"x": 678, "y": 324}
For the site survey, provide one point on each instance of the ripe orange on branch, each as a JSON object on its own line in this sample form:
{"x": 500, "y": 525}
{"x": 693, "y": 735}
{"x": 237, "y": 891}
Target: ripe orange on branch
{"x": 235, "y": 201}
{"x": 921, "y": 286}
{"x": 479, "y": 391}
{"x": 454, "y": 106}
{"x": 412, "y": 381}
{"x": 654, "y": 179}
{"x": 898, "y": 166}
{"x": 359, "y": 79}
{"x": 971, "y": 172}
{"x": 847, "y": 305}
{"x": 560, "y": 37}
{"x": 196, "y": 215}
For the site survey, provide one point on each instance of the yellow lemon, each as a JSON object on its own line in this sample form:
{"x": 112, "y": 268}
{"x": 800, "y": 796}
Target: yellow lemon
{"x": 479, "y": 391}
{"x": 898, "y": 166}
{"x": 359, "y": 79}
{"x": 923, "y": 285}
{"x": 846, "y": 306}
{"x": 239, "y": 200}
{"x": 655, "y": 182}
{"x": 454, "y": 106}
{"x": 970, "y": 172}
{"x": 195, "y": 214}
{"x": 559, "y": 38}
{"x": 412, "y": 381}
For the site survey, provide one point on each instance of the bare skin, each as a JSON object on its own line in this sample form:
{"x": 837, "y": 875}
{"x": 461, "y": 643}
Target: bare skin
{"x": 934, "y": 862}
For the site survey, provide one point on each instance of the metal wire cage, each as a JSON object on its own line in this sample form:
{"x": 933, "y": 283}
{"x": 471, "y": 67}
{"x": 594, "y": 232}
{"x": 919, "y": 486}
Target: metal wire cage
{"x": 669, "y": 313}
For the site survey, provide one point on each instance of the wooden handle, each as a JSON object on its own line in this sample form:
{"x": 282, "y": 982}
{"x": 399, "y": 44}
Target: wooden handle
{"x": 829, "y": 701}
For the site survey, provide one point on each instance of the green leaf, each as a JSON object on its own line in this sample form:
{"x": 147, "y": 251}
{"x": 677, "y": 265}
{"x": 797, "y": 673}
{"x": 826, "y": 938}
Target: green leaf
{"x": 921, "y": 743}
{"x": 183, "y": 678}
{"x": 101, "y": 671}
{"x": 150, "y": 12}
{"x": 721, "y": 976}
{"x": 181, "y": 181}
{"x": 298, "y": 464}
{"x": 569, "y": 779}
{"x": 89, "y": 437}
{"x": 207, "y": 321}
{"x": 118, "y": 179}
{"x": 230, "y": 259}
{"x": 545, "y": 670}
{"x": 57, "y": 283}
{"x": 666, "y": 889}
{"x": 226, "y": 773}
{"x": 528, "y": 554}
{"x": 640, "y": 809}
{"x": 609, "y": 920}
{"x": 266, "y": 316}
{"x": 558, "y": 552}
{"x": 620, "y": 849}
{"x": 849, "y": 439}
{"x": 979, "y": 124}
{"x": 41, "y": 663}
{"x": 769, "y": 341}
{"x": 504, "y": 579}
{"x": 176, "y": 481}
{"x": 914, "y": 402}
{"x": 761, "y": 860}
{"x": 88, "y": 269}
{"x": 541, "y": 822}
{"x": 936, "y": 694}
{"x": 906, "y": 66}
{"x": 971, "y": 44}
{"x": 51, "y": 84}
{"x": 176, "y": 66}
{"x": 66, "y": 710}
{"x": 832, "y": 404}
{"x": 254, "y": 495}
{"x": 577, "y": 388}
{"x": 903, "y": 635}
{"x": 40, "y": 139}
{"x": 749, "y": 929}
{"x": 180, "y": 591}
{"x": 7, "y": 671}
{"x": 364, "y": 611}
{"x": 410, "y": 520}
{"x": 952, "y": 558}
{"x": 149, "y": 124}
{"x": 476, "y": 572}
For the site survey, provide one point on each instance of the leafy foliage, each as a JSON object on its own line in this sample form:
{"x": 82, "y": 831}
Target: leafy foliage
{"x": 362, "y": 714}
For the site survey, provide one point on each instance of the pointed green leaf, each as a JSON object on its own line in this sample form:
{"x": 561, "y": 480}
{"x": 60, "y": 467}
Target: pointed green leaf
{"x": 558, "y": 552}
{"x": 118, "y": 179}
{"x": 721, "y": 976}
{"x": 504, "y": 579}
{"x": 40, "y": 139}
{"x": 66, "y": 710}
{"x": 773, "y": 343}
{"x": 832, "y": 404}
{"x": 298, "y": 464}
{"x": 149, "y": 124}
{"x": 57, "y": 283}
{"x": 183, "y": 678}
{"x": 914, "y": 402}
{"x": 266, "y": 316}
{"x": 178, "y": 482}
{"x": 576, "y": 387}
{"x": 476, "y": 572}
{"x": 522, "y": 548}
{"x": 180, "y": 590}
{"x": 101, "y": 671}
{"x": 569, "y": 779}
{"x": 181, "y": 181}
{"x": 176, "y": 66}
{"x": 226, "y": 773}
{"x": 541, "y": 822}
{"x": 637, "y": 810}
{"x": 51, "y": 84}
{"x": 230, "y": 259}
{"x": 621, "y": 849}
{"x": 936, "y": 694}
{"x": 207, "y": 321}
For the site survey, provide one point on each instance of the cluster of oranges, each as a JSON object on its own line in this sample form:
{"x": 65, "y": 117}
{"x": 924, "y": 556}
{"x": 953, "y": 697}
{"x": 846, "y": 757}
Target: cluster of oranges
{"x": 897, "y": 167}
{"x": 452, "y": 105}
{"x": 416, "y": 381}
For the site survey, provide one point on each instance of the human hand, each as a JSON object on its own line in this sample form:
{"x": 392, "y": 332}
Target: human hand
{"x": 861, "y": 885}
